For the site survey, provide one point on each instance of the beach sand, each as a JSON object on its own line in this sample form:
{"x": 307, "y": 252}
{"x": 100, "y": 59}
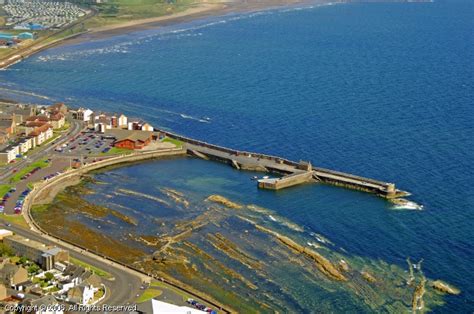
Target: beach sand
{"x": 201, "y": 10}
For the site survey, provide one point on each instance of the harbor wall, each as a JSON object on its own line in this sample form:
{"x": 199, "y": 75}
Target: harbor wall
{"x": 50, "y": 188}
{"x": 286, "y": 181}
{"x": 285, "y": 166}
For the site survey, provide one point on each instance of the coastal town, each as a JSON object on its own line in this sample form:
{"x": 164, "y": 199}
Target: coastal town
{"x": 38, "y": 144}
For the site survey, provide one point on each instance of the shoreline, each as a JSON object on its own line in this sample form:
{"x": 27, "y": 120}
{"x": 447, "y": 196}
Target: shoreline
{"x": 202, "y": 10}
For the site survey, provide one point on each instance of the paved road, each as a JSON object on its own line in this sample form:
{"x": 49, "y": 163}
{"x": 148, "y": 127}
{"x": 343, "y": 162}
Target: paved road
{"x": 56, "y": 165}
{"x": 121, "y": 290}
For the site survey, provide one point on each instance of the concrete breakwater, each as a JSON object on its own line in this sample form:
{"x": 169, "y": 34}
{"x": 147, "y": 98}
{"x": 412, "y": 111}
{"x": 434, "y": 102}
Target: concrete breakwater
{"x": 294, "y": 173}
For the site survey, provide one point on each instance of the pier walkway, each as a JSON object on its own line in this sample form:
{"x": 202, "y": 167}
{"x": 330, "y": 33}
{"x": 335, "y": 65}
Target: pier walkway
{"x": 294, "y": 173}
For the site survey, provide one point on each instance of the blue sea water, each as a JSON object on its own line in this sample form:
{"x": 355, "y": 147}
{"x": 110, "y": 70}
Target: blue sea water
{"x": 384, "y": 90}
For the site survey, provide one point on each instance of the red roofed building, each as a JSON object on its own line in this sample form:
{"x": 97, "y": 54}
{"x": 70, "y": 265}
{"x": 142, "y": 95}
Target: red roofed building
{"x": 58, "y": 108}
{"x": 134, "y": 140}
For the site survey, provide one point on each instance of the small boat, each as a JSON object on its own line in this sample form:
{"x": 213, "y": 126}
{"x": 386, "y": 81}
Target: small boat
{"x": 265, "y": 177}
{"x": 254, "y": 178}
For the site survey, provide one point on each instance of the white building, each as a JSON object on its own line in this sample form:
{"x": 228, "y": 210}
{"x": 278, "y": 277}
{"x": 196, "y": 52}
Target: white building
{"x": 122, "y": 121}
{"x": 41, "y": 136}
{"x": 25, "y": 145}
{"x": 154, "y": 307}
{"x": 81, "y": 294}
{"x": 7, "y": 154}
{"x": 147, "y": 127}
{"x": 84, "y": 114}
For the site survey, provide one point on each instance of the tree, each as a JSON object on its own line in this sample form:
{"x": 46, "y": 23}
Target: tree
{"x": 5, "y": 250}
{"x": 48, "y": 276}
{"x": 33, "y": 269}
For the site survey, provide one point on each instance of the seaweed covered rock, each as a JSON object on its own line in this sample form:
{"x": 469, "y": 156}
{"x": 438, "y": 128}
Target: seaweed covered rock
{"x": 444, "y": 287}
{"x": 224, "y": 201}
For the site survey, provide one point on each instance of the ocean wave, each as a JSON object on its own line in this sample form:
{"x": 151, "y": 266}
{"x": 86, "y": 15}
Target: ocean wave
{"x": 202, "y": 120}
{"x": 410, "y": 206}
{"x": 20, "y": 92}
{"x": 320, "y": 238}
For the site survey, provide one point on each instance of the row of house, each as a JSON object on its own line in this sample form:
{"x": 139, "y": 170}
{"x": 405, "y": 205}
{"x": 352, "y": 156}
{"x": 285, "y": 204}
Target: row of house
{"x": 102, "y": 122}
{"x": 22, "y": 128}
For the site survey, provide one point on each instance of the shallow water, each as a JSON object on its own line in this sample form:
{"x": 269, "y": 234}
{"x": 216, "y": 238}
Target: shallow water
{"x": 380, "y": 90}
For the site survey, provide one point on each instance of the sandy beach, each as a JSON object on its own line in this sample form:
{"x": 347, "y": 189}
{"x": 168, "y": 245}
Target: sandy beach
{"x": 201, "y": 10}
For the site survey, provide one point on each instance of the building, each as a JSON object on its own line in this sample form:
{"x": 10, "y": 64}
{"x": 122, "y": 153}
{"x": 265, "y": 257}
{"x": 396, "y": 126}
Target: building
{"x": 57, "y": 120}
{"x": 9, "y": 153}
{"x": 114, "y": 121}
{"x": 25, "y": 144}
{"x": 147, "y": 127}
{"x": 41, "y": 134}
{"x": 44, "y": 305}
{"x": 25, "y": 35}
{"x": 43, "y": 255}
{"x": 83, "y": 114}
{"x": 4, "y": 136}
{"x": 21, "y": 113}
{"x": 134, "y": 140}
{"x": 8, "y": 126}
{"x": 102, "y": 123}
{"x": 12, "y": 275}
{"x": 122, "y": 121}
{"x": 5, "y": 233}
{"x": 158, "y": 307}
{"x": 81, "y": 294}
{"x": 58, "y": 108}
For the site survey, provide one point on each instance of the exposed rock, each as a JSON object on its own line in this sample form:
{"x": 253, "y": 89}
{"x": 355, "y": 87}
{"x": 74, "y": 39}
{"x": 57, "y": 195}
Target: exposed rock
{"x": 417, "y": 302}
{"x": 322, "y": 263}
{"x": 369, "y": 277}
{"x": 343, "y": 265}
{"x": 176, "y": 196}
{"x": 444, "y": 287}
{"x": 224, "y": 201}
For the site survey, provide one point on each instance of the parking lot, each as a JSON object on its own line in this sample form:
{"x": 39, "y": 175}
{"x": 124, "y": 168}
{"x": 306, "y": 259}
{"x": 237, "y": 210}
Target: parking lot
{"x": 84, "y": 144}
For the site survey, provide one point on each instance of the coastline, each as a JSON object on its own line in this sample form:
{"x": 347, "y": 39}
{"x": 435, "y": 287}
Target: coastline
{"x": 201, "y": 10}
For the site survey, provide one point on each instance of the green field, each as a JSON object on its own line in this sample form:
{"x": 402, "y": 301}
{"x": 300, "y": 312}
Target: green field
{"x": 148, "y": 294}
{"x": 15, "y": 219}
{"x": 119, "y": 11}
{"x": 22, "y": 172}
{"x": 178, "y": 143}
{"x": 4, "y": 188}
{"x": 97, "y": 271}
{"x": 117, "y": 151}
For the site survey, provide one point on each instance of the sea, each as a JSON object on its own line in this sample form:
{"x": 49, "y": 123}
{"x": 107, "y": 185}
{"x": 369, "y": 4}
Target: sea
{"x": 383, "y": 90}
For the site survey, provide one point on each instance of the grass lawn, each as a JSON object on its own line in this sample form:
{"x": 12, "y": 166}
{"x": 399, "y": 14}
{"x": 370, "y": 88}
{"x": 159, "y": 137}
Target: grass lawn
{"x": 119, "y": 11}
{"x": 4, "y": 188}
{"x": 22, "y": 172}
{"x": 117, "y": 151}
{"x": 97, "y": 271}
{"x": 185, "y": 296}
{"x": 178, "y": 143}
{"x": 148, "y": 294}
{"x": 15, "y": 220}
